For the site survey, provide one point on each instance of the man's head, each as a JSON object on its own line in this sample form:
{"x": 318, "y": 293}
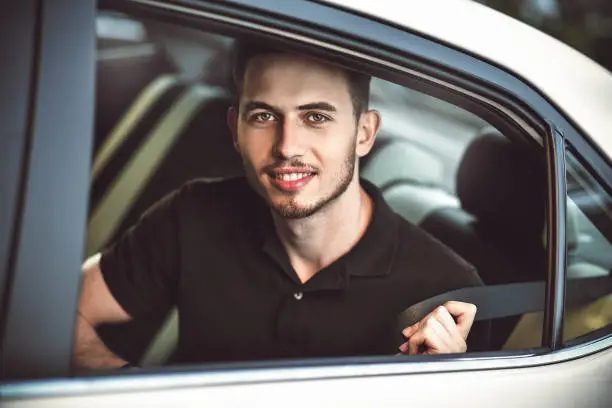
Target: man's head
{"x": 244, "y": 52}
{"x": 299, "y": 125}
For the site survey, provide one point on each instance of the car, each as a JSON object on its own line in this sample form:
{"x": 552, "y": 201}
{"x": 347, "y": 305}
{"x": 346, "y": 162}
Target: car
{"x": 496, "y": 140}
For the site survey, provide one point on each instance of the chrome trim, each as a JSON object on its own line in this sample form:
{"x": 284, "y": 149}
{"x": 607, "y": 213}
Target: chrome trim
{"x": 164, "y": 380}
{"x": 552, "y": 335}
{"x": 258, "y": 27}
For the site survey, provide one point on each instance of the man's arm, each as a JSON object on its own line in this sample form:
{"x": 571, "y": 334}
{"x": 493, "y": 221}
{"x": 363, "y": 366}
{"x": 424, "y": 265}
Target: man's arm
{"x": 96, "y": 306}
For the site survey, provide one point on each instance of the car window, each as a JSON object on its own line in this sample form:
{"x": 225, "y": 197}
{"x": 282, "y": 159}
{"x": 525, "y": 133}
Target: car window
{"x": 429, "y": 124}
{"x": 589, "y": 236}
{"x": 161, "y": 121}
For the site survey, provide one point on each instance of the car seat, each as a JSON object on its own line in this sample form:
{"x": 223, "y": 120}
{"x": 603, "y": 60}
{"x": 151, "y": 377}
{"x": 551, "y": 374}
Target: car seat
{"x": 499, "y": 226}
{"x": 181, "y": 137}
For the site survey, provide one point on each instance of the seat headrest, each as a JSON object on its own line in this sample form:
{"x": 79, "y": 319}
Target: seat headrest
{"x": 399, "y": 160}
{"x": 501, "y": 185}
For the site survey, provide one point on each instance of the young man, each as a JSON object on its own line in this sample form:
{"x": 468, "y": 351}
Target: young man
{"x": 300, "y": 258}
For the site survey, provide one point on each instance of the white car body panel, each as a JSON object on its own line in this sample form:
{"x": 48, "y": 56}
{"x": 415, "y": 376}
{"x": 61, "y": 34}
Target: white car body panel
{"x": 581, "y": 88}
{"x": 579, "y": 383}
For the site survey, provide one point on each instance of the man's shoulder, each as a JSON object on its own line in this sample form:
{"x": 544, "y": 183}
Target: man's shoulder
{"x": 213, "y": 196}
{"x": 429, "y": 256}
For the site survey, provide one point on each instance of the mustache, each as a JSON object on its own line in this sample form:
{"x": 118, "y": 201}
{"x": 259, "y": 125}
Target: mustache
{"x": 294, "y": 164}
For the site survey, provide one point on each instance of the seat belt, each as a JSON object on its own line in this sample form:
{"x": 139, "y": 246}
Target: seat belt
{"x": 511, "y": 299}
{"x": 492, "y": 302}
{"x": 122, "y": 130}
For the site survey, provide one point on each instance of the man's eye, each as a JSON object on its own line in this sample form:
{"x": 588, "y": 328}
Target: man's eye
{"x": 316, "y": 118}
{"x": 262, "y": 117}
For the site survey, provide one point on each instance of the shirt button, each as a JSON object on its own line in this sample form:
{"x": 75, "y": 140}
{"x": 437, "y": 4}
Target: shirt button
{"x": 298, "y": 295}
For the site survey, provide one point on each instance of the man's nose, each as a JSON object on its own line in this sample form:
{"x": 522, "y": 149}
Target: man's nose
{"x": 289, "y": 139}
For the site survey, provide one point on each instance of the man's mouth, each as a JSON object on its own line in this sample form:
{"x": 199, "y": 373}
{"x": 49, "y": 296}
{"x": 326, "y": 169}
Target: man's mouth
{"x": 291, "y": 180}
{"x": 292, "y": 176}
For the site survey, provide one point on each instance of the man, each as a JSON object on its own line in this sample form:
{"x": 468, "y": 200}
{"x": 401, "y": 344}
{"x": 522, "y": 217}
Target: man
{"x": 300, "y": 258}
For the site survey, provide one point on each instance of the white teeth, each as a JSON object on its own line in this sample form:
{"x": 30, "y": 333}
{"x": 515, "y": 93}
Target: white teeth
{"x": 292, "y": 176}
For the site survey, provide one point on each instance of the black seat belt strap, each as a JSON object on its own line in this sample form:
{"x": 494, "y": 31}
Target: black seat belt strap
{"x": 510, "y": 299}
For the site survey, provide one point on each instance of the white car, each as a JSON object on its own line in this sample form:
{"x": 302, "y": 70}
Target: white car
{"x": 496, "y": 139}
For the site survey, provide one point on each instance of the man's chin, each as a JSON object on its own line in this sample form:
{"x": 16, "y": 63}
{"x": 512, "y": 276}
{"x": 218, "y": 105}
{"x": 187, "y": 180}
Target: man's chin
{"x": 292, "y": 210}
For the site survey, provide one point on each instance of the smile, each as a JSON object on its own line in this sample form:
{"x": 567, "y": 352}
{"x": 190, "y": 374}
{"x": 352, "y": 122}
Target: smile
{"x": 291, "y": 181}
{"x": 292, "y": 176}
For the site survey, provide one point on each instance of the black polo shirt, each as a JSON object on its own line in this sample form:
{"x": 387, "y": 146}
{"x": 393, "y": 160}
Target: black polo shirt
{"x": 210, "y": 248}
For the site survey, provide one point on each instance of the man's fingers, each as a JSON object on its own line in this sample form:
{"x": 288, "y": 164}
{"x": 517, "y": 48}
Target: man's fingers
{"x": 407, "y": 332}
{"x": 438, "y": 332}
{"x": 437, "y": 338}
{"x": 448, "y": 323}
{"x": 415, "y": 341}
{"x": 464, "y": 313}
{"x": 432, "y": 336}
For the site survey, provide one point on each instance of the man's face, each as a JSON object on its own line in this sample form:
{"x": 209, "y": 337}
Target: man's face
{"x": 297, "y": 133}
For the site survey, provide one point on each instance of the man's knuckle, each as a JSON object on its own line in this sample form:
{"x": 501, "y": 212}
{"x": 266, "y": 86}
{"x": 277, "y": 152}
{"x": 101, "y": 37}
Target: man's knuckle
{"x": 473, "y": 308}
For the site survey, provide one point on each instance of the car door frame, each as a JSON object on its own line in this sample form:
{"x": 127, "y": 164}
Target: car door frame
{"x": 47, "y": 245}
{"x": 51, "y": 316}
{"x": 16, "y": 74}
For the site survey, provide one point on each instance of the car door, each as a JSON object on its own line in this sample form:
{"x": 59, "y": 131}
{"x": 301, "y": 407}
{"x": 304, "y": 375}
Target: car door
{"x": 47, "y": 247}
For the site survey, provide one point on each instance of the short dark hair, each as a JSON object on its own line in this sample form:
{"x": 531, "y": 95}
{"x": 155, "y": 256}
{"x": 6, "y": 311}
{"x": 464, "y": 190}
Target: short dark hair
{"x": 244, "y": 51}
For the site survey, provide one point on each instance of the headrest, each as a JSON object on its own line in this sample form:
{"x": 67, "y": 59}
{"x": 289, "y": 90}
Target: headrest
{"x": 503, "y": 186}
{"x": 398, "y": 160}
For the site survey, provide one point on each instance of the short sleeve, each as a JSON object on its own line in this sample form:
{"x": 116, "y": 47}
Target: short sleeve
{"x": 141, "y": 268}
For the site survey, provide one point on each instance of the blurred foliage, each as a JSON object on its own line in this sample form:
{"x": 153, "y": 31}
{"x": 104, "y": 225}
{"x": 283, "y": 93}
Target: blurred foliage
{"x": 585, "y": 25}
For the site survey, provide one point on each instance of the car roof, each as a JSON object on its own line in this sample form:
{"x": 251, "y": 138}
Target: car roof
{"x": 580, "y": 87}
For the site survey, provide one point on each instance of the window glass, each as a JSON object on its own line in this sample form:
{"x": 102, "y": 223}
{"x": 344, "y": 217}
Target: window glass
{"x": 589, "y": 235}
{"x": 432, "y": 126}
{"x": 161, "y": 121}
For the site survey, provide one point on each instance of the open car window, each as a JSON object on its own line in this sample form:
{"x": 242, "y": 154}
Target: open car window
{"x": 432, "y": 126}
{"x": 161, "y": 121}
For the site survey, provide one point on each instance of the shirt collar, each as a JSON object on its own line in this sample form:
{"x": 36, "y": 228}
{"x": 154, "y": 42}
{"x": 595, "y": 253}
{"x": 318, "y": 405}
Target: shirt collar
{"x": 374, "y": 253}
{"x": 371, "y": 256}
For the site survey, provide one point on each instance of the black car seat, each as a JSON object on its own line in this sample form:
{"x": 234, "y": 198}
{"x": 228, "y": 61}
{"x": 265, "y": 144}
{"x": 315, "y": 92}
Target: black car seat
{"x": 184, "y": 136}
{"x": 499, "y": 227}
{"x": 122, "y": 72}
{"x": 409, "y": 177}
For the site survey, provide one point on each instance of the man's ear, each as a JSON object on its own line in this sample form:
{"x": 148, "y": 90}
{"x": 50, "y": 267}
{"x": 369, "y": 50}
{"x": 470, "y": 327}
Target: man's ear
{"x": 368, "y": 127}
{"x": 232, "y": 124}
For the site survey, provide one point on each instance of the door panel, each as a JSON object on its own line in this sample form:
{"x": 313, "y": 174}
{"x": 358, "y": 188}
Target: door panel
{"x": 583, "y": 382}
{"x": 17, "y": 22}
{"x": 42, "y": 303}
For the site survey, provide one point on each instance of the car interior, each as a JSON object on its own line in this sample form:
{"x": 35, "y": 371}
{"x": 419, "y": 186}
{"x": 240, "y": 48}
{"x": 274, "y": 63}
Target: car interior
{"x": 162, "y": 96}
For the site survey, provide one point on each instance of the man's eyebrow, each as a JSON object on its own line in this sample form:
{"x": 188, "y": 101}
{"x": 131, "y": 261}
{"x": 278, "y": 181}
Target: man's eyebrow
{"x": 318, "y": 106}
{"x": 252, "y": 105}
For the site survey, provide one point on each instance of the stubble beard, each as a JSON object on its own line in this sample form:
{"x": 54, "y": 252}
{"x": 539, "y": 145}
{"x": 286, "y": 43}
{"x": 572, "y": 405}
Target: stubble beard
{"x": 293, "y": 210}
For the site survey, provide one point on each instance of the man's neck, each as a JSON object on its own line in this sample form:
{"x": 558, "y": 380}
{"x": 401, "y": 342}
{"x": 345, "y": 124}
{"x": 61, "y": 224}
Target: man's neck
{"x": 315, "y": 242}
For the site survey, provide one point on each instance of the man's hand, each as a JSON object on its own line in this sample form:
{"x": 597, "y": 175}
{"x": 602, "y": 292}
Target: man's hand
{"x": 438, "y": 333}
